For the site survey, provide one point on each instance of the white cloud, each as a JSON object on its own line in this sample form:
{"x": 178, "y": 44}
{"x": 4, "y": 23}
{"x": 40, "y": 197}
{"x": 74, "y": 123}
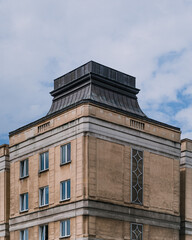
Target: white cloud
{"x": 41, "y": 40}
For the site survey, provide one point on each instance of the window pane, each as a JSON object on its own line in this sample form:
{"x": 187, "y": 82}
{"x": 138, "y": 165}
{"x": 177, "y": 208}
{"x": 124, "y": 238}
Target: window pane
{"x": 22, "y": 169}
{"x": 68, "y": 152}
{"x": 22, "y": 235}
{"x": 46, "y": 160}
{"x": 41, "y": 195}
{"x": 47, "y": 195}
{"x": 62, "y": 229}
{"x": 68, "y": 189}
{"x": 63, "y": 155}
{"x": 68, "y": 227}
{"x": 26, "y": 234}
{"x": 22, "y": 202}
{"x": 42, "y": 162}
{"x": 26, "y": 195}
{"x": 27, "y": 167}
{"x": 63, "y": 190}
{"x": 46, "y": 232}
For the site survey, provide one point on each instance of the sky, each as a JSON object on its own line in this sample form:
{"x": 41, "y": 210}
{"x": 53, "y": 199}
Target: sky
{"x": 42, "y": 40}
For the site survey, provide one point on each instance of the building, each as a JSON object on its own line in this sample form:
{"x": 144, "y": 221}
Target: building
{"x": 96, "y": 167}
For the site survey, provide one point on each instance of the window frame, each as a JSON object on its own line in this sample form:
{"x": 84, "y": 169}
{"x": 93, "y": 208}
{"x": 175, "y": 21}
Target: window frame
{"x": 67, "y": 187}
{"x": 24, "y": 169}
{"x": 44, "y": 196}
{"x": 67, "y": 146}
{"x": 24, "y": 199}
{"x": 46, "y": 168}
{"x": 24, "y": 234}
{"x": 67, "y": 224}
{"x": 43, "y": 228}
{"x": 137, "y": 224}
{"x": 132, "y": 201}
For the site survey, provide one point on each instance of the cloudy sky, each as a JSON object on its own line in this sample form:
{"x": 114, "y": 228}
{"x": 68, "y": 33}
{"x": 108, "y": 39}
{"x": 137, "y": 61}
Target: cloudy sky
{"x": 42, "y": 40}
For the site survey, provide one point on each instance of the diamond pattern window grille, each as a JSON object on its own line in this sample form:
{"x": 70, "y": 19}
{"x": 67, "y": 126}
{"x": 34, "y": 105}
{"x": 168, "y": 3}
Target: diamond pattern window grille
{"x": 137, "y": 177}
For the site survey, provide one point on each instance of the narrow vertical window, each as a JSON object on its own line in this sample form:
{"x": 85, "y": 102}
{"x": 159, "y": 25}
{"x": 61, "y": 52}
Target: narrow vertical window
{"x": 65, "y": 189}
{"x": 23, "y": 202}
{"x": 44, "y": 161}
{"x": 65, "y": 228}
{"x": 24, "y": 234}
{"x": 24, "y": 166}
{"x": 137, "y": 177}
{"x": 66, "y": 153}
{"x": 43, "y": 196}
{"x": 43, "y": 232}
{"x": 136, "y": 231}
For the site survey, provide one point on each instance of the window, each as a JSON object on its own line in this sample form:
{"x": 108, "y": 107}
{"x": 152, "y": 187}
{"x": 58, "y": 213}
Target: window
{"x": 65, "y": 228}
{"x": 24, "y": 168}
{"x": 44, "y": 161}
{"x": 66, "y": 153}
{"x": 43, "y": 196}
{"x": 65, "y": 190}
{"x": 43, "y": 232}
{"x": 137, "y": 177}
{"x": 24, "y": 202}
{"x": 136, "y": 231}
{"x": 24, "y": 234}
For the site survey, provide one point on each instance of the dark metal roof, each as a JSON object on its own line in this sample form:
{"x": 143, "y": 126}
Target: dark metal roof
{"x": 99, "y": 84}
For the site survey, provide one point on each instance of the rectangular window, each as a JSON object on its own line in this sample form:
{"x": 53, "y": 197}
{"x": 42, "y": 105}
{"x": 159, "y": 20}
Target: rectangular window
{"x": 23, "y": 202}
{"x": 137, "y": 177}
{"x": 43, "y": 232}
{"x": 44, "y": 161}
{"x": 136, "y": 231}
{"x": 65, "y": 190}
{"x": 24, "y": 234}
{"x": 66, "y": 153}
{"x": 65, "y": 228}
{"x": 43, "y": 196}
{"x": 24, "y": 166}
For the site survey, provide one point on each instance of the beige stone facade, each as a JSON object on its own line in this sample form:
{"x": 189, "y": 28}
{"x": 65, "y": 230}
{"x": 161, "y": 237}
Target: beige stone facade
{"x": 95, "y": 172}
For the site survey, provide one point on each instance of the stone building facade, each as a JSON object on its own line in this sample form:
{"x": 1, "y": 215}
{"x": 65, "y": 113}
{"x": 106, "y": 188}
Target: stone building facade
{"x": 96, "y": 167}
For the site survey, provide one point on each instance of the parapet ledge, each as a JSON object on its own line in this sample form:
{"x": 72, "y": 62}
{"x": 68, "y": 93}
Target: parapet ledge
{"x": 186, "y": 153}
{"x": 186, "y": 145}
{"x": 4, "y": 150}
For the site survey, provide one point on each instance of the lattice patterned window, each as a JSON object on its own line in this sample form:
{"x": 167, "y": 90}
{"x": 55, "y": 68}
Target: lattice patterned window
{"x": 136, "y": 231}
{"x": 137, "y": 177}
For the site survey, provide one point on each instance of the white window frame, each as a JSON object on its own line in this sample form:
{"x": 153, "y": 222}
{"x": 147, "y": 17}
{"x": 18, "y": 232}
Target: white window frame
{"x": 67, "y": 184}
{"x": 24, "y": 168}
{"x": 24, "y": 200}
{"x": 66, "y": 153}
{"x": 42, "y": 229}
{"x": 24, "y": 234}
{"x": 42, "y": 191}
{"x": 64, "y": 232}
{"x": 44, "y": 154}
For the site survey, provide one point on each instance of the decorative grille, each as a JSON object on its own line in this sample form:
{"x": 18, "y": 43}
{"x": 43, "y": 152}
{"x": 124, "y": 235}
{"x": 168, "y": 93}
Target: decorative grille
{"x": 43, "y": 127}
{"x": 136, "y": 124}
{"x": 136, "y": 231}
{"x": 137, "y": 177}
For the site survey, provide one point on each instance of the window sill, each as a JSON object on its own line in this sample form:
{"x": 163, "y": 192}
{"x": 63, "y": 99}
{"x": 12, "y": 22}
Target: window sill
{"x": 66, "y": 163}
{"x": 42, "y": 206}
{"x": 42, "y": 171}
{"x": 65, "y": 200}
{"x": 24, "y": 211}
{"x": 21, "y": 178}
{"x": 62, "y": 237}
